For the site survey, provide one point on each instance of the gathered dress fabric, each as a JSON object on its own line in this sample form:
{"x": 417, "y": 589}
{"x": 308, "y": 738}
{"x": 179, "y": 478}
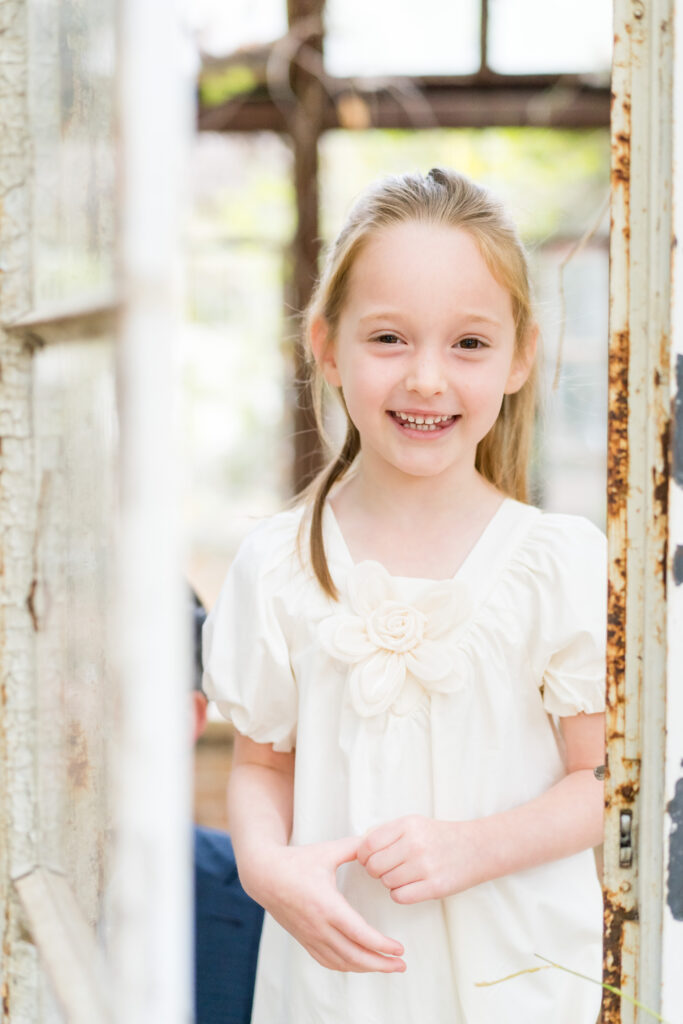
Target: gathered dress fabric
{"x": 430, "y": 697}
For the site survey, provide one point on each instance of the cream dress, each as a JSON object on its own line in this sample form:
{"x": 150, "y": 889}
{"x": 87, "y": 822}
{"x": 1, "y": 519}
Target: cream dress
{"x": 441, "y": 698}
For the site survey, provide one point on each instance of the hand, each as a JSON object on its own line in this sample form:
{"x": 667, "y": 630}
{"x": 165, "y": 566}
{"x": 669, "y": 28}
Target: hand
{"x": 420, "y": 858}
{"x": 300, "y": 892}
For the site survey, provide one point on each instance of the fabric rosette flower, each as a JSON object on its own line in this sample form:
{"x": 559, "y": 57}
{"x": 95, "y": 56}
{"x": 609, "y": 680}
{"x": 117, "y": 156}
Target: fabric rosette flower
{"x": 398, "y": 650}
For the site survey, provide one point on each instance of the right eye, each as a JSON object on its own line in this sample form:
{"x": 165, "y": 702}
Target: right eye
{"x": 387, "y": 338}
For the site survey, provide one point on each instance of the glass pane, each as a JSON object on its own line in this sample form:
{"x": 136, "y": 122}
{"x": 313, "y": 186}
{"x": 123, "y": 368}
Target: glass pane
{"x": 385, "y": 38}
{"x": 534, "y": 36}
{"x": 554, "y": 183}
{"x": 571, "y": 471}
{"x": 235, "y": 361}
{"x": 75, "y": 432}
{"x": 71, "y": 82}
{"x": 221, "y": 28}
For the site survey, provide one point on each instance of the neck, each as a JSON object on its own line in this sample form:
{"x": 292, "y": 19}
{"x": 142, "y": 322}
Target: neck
{"x": 384, "y": 491}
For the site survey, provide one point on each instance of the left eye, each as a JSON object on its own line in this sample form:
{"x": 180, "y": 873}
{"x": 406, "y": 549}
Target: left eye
{"x": 470, "y": 344}
{"x": 388, "y": 338}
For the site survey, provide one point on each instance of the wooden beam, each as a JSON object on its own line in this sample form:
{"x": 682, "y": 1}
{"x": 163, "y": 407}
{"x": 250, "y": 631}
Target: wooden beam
{"x": 471, "y": 101}
{"x": 303, "y": 119}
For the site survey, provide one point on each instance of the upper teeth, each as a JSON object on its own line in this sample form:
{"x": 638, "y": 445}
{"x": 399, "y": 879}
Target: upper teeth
{"x": 426, "y": 420}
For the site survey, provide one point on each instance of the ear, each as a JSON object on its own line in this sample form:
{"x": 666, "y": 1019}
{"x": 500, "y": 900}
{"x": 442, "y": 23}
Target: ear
{"x": 523, "y": 362}
{"x": 324, "y": 353}
{"x": 200, "y": 707}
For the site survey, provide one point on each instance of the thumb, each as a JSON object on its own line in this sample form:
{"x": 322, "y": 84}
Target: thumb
{"x": 344, "y": 850}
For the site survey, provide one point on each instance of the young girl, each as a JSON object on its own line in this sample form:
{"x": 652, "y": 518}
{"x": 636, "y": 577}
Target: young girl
{"x": 413, "y": 657}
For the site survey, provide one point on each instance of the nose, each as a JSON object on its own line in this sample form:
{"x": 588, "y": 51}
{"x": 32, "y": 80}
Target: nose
{"x": 426, "y": 375}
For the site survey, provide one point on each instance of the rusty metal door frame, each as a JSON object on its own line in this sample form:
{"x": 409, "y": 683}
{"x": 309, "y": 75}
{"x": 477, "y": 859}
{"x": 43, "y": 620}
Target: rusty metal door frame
{"x": 644, "y": 661}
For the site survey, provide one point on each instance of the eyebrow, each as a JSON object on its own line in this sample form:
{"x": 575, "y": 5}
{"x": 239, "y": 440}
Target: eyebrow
{"x": 469, "y": 317}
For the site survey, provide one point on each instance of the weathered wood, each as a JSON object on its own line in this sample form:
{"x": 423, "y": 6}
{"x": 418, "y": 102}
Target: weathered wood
{"x": 304, "y": 122}
{"x": 19, "y": 971}
{"x": 484, "y": 36}
{"x": 469, "y": 101}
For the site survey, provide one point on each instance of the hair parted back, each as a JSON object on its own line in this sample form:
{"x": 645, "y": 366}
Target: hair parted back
{"x": 442, "y": 197}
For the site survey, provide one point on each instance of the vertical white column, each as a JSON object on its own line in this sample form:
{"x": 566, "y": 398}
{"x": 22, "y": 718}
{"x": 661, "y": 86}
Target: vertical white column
{"x": 152, "y": 932}
{"x": 672, "y": 933}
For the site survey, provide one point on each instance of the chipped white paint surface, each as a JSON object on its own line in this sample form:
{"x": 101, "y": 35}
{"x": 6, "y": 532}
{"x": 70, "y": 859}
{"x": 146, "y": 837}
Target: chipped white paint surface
{"x": 672, "y": 937}
{"x": 19, "y": 971}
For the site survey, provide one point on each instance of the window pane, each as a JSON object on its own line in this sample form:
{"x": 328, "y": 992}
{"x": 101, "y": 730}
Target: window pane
{"x": 388, "y": 38}
{"x": 235, "y": 362}
{"x": 75, "y": 438}
{"x": 223, "y": 27}
{"x": 535, "y": 36}
{"x": 72, "y": 98}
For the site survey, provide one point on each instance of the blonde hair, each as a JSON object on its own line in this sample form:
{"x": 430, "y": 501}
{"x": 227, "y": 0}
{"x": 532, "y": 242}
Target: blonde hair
{"x": 446, "y": 198}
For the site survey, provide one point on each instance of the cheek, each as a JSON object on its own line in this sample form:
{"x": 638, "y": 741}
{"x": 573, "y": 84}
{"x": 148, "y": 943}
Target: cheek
{"x": 489, "y": 382}
{"x": 365, "y": 385}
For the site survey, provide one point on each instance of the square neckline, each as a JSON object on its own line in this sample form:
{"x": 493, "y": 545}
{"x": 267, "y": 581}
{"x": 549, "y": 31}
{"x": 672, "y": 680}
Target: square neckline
{"x": 475, "y": 557}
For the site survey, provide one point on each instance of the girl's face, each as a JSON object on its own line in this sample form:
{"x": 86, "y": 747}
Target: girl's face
{"x": 425, "y": 349}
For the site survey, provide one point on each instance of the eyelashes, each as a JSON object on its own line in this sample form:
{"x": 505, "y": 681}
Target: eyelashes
{"x": 471, "y": 344}
{"x": 468, "y": 344}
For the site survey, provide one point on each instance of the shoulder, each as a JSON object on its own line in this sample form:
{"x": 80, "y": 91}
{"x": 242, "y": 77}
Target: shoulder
{"x": 564, "y": 559}
{"x": 554, "y": 555}
{"x": 555, "y": 538}
{"x": 272, "y": 544}
{"x": 571, "y": 542}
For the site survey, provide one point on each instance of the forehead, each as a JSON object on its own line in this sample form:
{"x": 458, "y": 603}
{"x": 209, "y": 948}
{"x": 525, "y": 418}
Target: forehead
{"x": 419, "y": 263}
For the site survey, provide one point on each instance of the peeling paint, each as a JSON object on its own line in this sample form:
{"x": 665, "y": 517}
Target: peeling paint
{"x": 674, "y": 884}
{"x": 615, "y": 918}
{"x": 678, "y": 423}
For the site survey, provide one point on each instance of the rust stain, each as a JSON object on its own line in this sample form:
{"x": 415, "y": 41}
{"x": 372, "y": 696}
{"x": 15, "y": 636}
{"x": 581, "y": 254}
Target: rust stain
{"x": 615, "y": 917}
{"x": 617, "y": 487}
{"x": 661, "y": 499}
{"x": 78, "y": 760}
{"x": 617, "y": 453}
{"x": 626, "y": 793}
{"x": 621, "y": 155}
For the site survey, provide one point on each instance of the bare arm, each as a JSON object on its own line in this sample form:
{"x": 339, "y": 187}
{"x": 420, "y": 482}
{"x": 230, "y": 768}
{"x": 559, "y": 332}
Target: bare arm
{"x": 422, "y": 858}
{"x": 259, "y": 806}
{"x": 297, "y": 885}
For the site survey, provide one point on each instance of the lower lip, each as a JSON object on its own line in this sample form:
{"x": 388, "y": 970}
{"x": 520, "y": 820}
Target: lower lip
{"x": 423, "y": 435}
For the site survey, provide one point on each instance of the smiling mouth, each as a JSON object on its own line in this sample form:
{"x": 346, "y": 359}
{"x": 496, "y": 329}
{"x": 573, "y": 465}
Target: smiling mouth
{"x": 427, "y": 424}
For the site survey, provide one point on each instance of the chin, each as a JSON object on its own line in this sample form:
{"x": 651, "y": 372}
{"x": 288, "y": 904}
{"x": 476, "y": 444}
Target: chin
{"x": 421, "y": 470}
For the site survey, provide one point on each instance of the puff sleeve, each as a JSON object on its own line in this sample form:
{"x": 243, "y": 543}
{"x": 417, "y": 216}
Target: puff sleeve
{"x": 576, "y": 621}
{"x": 247, "y": 669}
